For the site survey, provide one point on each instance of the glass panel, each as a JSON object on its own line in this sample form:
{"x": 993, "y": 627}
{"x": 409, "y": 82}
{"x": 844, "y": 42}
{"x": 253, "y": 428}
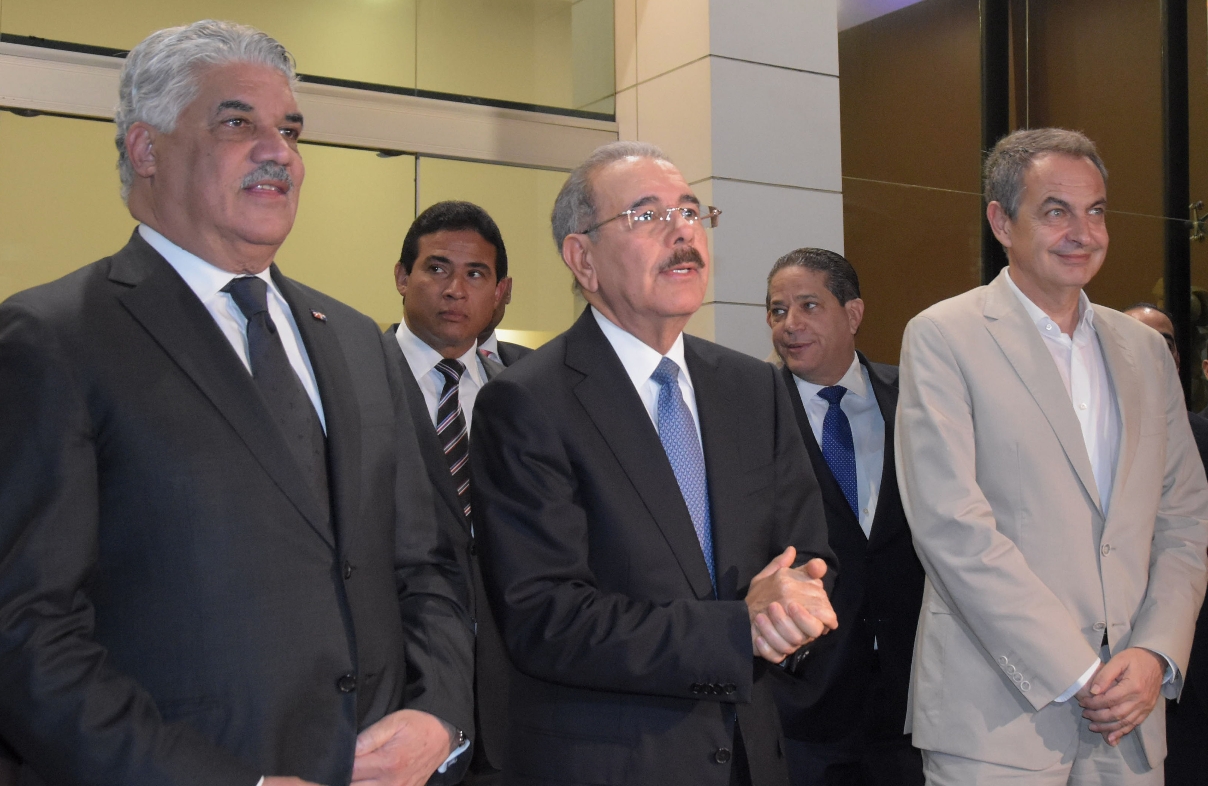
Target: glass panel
{"x": 369, "y": 41}
{"x": 1197, "y": 86}
{"x": 912, "y": 247}
{"x": 60, "y": 206}
{"x": 353, "y": 212}
{"x": 544, "y": 52}
{"x": 520, "y": 201}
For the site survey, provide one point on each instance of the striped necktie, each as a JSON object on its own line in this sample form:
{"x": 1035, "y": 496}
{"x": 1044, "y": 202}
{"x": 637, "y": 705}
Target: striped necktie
{"x": 451, "y": 429}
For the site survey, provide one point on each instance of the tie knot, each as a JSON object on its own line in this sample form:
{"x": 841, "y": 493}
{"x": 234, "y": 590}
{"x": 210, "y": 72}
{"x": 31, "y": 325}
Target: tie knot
{"x": 451, "y": 368}
{"x": 833, "y": 394}
{"x": 666, "y": 372}
{"x": 250, "y": 293}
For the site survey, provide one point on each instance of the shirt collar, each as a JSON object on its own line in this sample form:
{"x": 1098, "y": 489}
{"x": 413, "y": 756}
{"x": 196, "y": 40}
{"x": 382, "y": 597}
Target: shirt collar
{"x": 852, "y": 379}
{"x": 1086, "y": 314}
{"x": 639, "y": 358}
{"x": 423, "y": 359}
{"x": 204, "y": 279}
{"x": 490, "y": 345}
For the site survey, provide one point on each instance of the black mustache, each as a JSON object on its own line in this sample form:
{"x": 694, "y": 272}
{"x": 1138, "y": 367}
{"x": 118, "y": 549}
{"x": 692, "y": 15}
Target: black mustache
{"x": 269, "y": 170}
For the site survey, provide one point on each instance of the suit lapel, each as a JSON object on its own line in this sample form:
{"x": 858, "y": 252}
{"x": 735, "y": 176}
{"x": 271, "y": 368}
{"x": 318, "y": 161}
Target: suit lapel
{"x": 884, "y": 524}
{"x": 721, "y": 438}
{"x": 429, "y": 441}
{"x": 492, "y": 368}
{"x": 832, "y": 495}
{"x": 612, "y": 404}
{"x": 343, "y": 419}
{"x": 1017, "y": 337}
{"x": 1121, "y": 370}
{"x": 171, "y": 313}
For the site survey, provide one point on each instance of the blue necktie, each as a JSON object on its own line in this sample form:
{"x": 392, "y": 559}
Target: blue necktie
{"x": 838, "y": 448}
{"x": 677, "y": 432}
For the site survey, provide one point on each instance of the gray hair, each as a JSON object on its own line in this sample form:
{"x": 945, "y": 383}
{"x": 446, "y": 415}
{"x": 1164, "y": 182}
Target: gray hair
{"x": 1010, "y": 159}
{"x": 159, "y": 78}
{"x": 841, "y": 278}
{"x": 575, "y": 207}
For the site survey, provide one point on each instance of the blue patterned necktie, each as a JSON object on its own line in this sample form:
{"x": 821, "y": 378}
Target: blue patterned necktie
{"x": 451, "y": 429}
{"x": 677, "y": 432}
{"x": 838, "y": 448}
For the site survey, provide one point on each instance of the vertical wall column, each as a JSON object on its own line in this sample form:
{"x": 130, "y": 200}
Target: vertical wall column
{"x": 744, "y": 97}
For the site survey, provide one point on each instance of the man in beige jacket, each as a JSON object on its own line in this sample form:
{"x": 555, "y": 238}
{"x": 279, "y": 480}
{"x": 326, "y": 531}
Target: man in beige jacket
{"x": 1047, "y": 471}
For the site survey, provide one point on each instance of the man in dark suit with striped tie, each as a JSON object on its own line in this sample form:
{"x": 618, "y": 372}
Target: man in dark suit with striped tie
{"x": 843, "y": 713}
{"x": 451, "y": 275}
{"x": 505, "y": 353}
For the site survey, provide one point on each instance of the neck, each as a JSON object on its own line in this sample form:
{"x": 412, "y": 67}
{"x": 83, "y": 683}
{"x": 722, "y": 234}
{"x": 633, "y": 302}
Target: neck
{"x": 658, "y": 333}
{"x": 1059, "y": 303}
{"x": 233, "y": 257}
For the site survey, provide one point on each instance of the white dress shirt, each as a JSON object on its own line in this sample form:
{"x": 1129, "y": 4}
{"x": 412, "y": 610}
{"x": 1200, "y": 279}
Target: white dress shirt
{"x": 640, "y": 360}
{"x": 207, "y": 282}
{"x": 491, "y": 347}
{"x": 867, "y": 430}
{"x": 1079, "y": 360}
{"x": 423, "y": 359}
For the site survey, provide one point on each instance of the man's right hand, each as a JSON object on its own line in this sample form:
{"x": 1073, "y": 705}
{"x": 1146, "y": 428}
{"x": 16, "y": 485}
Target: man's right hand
{"x": 287, "y": 782}
{"x": 788, "y": 607}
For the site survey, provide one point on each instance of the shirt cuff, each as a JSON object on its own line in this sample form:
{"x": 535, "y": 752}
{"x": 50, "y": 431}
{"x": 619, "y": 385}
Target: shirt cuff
{"x": 1077, "y": 686}
{"x": 453, "y": 756}
{"x": 1171, "y": 675}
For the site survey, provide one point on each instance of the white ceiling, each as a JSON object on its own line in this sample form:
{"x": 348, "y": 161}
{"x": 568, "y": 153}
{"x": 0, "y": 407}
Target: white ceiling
{"x": 856, "y": 12}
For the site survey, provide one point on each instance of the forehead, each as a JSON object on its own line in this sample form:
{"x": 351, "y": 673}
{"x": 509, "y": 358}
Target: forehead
{"x": 794, "y": 281}
{"x": 262, "y": 87}
{"x": 621, "y": 183}
{"x": 1063, "y": 176}
{"x": 464, "y": 245}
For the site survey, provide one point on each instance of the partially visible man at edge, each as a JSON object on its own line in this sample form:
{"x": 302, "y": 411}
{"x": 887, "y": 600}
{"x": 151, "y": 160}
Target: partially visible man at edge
{"x": 1187, "y": 718}
{"x": 1051, "y": 484}
{"x": 844, "y": 710}
{"x": 451, "y": 275}
{"x": 221, "y": 563}
{"x": 646, "y": 506}
{"x": 505, "y": 353}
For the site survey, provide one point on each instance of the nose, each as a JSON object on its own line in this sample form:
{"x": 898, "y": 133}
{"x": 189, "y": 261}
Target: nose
{"x": 271, "y": 146}
{"x": 456, "y": 288}
{"x": 794, "y": 320}
{"x": 682, "y": 231}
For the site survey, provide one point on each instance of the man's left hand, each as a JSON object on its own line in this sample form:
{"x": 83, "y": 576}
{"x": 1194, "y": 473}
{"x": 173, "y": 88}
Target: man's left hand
{"x": 402, "y": 749}
{"x": 1123, "y": 693}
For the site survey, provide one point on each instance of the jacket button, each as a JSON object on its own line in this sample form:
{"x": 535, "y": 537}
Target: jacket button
{"x": 1002, "y": 660}
{"x": 347, "y": 570}
{"x": 729, "y": 688}
{"x": 347, "y": 683}
{"x": 722, "y": 756}
{"x": 1106, "y": 548}
{"x": 696, "y": 687}
{"x": 1099, "y": 626}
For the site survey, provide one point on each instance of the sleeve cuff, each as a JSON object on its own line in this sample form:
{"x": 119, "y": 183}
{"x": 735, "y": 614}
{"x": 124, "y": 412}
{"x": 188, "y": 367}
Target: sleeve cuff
{"x": 1077, "y": 686}
{"x": 465, "y": 743}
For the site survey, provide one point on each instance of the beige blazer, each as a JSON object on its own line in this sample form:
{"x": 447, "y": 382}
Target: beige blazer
{"x": 1024, "y": 574}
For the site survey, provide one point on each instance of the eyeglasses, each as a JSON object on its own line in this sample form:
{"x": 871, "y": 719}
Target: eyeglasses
{"x": 649, "y": 218}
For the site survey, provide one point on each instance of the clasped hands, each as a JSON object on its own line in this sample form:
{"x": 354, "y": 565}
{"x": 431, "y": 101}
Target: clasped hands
{"x": 788, "y": 607}
{"x": 1122, "y": 693}
{"x": 402, "y": 749}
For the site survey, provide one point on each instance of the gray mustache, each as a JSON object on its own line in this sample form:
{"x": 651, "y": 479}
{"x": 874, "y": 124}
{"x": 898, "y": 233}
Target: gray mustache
{"x": 269, "y": 170}
{"x": 682, "y": 255}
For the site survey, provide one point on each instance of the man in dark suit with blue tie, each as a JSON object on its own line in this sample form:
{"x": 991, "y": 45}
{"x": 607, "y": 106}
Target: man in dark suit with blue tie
{"x": 843, "y": 713}
{"x": 220, "y": 561}
{"x": 652, "y": 537}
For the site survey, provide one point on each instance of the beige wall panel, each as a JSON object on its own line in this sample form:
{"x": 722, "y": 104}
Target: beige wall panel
{"x": 368, "y": 40}
{"x": 59, "y": 202}
{"x": 627, "y": 114}
{"x": 353, "y": 212}
{"x": 674, "y": 113}
{"x": 625, "y": 33}
{"x": 513, "y": 50}
{"x": 520, "y": 201}
{"x": 670, "y": 34}
{"x": 592, "y": 52}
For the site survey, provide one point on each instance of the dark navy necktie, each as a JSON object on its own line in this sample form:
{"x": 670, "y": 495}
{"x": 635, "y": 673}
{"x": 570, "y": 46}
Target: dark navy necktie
{"x": 451, "y": 429}
{"x": 677, "y": 432}
{"x": 288, "y": 401}
{"x": 838, "y": 448}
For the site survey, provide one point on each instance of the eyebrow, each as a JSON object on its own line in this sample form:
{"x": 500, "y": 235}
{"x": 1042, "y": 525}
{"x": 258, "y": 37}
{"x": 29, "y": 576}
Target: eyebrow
{"x": 1062, "y": 203}
{"x": 653, "y": 200}
{"x": 235, "y": 105}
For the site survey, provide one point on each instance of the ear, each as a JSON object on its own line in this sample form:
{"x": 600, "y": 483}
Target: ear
{"x": 855, "y": 314}
{"x": 502, "y": 288}
{"x": 768, "y": 316}
{"x": 400, "y": 278}
{"x": 140, "y": 149}
{"x": 506, "y": 283}
{"x": 576, "y": 253}
{"x": 1000, "y": 223}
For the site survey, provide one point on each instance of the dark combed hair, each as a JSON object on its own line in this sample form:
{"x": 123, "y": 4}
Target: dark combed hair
{"x": 1010, "y": 159}
{"x": 453, "y": 216}
{"x": 841, "y": 278}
